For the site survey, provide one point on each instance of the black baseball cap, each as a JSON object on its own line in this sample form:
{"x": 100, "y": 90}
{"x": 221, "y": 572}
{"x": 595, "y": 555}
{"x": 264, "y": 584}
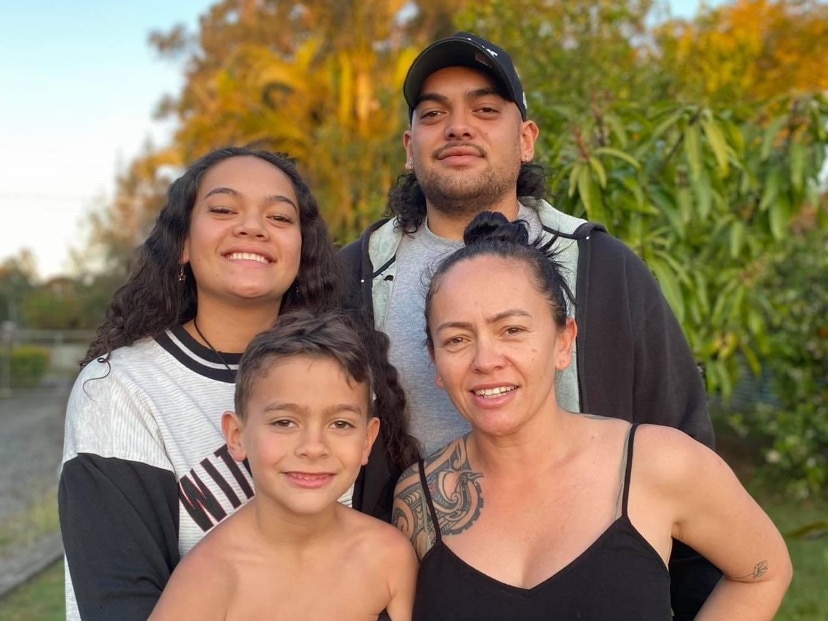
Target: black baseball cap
{"x": 466, "y": 50}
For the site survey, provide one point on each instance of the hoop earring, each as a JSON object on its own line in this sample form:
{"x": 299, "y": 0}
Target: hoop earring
{"x": 181, "y": 275}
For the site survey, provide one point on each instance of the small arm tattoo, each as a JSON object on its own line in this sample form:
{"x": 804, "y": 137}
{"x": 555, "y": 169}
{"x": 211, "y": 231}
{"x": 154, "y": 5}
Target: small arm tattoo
{"x": 760, "y": 569}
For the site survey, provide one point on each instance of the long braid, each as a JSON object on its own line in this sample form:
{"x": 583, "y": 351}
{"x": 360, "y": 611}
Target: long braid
{"x": 390, "y": 405}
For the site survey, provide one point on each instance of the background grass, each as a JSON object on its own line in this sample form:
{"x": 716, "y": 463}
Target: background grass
{"x": 40, "y": 599}
{"x": 40, "y": 518}
{"x": 806, "y": 598}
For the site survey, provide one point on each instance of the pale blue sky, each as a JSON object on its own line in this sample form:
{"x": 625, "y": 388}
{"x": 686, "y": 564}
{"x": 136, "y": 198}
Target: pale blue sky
{"x": 78, "y": 86}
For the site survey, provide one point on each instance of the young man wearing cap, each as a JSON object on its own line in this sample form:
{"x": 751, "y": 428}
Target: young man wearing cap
{"x": 469, "y": 149}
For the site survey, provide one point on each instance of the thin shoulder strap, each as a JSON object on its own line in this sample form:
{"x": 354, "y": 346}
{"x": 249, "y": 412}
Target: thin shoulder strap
{"x": 428, "y": 510}
{"x": 626, "y": 467}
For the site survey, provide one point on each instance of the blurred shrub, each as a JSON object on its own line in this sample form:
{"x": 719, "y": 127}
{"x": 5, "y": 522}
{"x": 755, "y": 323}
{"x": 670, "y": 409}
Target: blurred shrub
{"x": 795, "y": 432}
{"x": 28, "y": 365}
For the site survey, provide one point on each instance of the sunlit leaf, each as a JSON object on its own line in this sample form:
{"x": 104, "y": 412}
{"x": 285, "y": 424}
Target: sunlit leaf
{"x": 704, "y": 195}
{"x": 598, "y": 168}
{"x": 771, "y": 190}
{"x": 617, "y": 153}
{"x": 669, "y": 284}
{"x": 780, "y": 214}
{"x": 619, "y": 130}
{"x": 692, "y": 150}
{"x": 717, "y": 144}
{"x": 797, "y": 156}
{"x": 667, "y": 123}
{"x": 771, "y": 134}
{"x": 574, "y": 176}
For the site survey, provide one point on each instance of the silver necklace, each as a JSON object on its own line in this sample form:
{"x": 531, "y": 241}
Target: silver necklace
{"x": 210, "y": 345}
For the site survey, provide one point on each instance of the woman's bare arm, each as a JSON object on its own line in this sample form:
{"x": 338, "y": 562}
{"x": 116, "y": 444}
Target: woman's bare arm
{"x": 716, "y": 516}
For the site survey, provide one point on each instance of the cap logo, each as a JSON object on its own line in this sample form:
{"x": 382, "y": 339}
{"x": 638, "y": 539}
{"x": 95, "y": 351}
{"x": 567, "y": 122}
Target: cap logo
{"x": 482, "y": 59}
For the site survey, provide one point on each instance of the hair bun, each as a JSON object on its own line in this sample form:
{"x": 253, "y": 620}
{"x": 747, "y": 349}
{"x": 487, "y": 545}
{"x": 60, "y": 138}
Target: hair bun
{"x": 494, "y": 226}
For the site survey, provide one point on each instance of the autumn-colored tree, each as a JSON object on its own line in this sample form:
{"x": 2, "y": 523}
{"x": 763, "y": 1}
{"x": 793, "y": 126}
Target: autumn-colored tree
{"x": 318, "y": 80}
{"x": 747, "y": 51}
{"x": 698, "y": 189}
{"x": 698, "y": 142}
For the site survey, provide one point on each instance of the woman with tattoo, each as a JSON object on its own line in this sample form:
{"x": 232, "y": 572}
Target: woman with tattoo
{"x": 539, "y": 513}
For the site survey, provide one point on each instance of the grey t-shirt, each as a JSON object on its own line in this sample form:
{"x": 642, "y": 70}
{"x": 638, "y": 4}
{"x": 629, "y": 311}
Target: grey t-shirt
{"x": 434, "y": 419}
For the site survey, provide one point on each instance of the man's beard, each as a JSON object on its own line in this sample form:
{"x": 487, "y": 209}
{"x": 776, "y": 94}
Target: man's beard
{"x": 459, "y": 195}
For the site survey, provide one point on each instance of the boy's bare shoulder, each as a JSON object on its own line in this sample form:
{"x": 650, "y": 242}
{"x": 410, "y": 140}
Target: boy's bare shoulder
{"x": 208, "y": 559}
{"x": 201, "y": 585}
{"x": 213, "y": 557}
{"x": 377, "y": 535}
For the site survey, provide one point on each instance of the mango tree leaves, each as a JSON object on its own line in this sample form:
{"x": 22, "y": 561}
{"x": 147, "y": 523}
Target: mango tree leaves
{"x": 701, "y": 196}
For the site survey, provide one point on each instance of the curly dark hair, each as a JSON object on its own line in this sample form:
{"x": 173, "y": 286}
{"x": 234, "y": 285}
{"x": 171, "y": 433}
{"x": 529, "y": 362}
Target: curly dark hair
{"x": 152, "y": 299}
{"x": 491, "y": 233}
{"x": 349, "y": 338}
{"x": 407, "y": 202}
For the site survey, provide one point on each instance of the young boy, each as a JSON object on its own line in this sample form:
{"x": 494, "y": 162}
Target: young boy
{"x": 303, "y": 422}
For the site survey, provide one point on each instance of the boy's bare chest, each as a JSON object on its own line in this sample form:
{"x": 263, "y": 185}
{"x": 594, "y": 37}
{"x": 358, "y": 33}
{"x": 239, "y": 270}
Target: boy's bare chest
{"x": 346, "y": 593}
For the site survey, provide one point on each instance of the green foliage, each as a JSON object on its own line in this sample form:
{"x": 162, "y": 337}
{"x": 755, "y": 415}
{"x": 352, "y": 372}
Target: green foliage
{"x": 28, "y": 365}
{"x": 316, "y": 79}
{"x": 797, "y": 430}
{"x": 17, "y": 278}
{"x": 53, "y": 306}
{"x": 701, "y": 195}
{"x": 571, "y": 52}
{"x": 94, "y": 295}
{"x": 663, "y": 132}
{"x": 69, "y": 303}
{"x": 798, "y": 436}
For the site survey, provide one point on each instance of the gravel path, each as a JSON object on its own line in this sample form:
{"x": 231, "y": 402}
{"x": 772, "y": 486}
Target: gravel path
{"x": 31, "y": 444}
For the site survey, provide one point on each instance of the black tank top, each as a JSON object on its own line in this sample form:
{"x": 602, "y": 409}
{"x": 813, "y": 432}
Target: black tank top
{"x": 618, "y": 577}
